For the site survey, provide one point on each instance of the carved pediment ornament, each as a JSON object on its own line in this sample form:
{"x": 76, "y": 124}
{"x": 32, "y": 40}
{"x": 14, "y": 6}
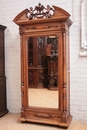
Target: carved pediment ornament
{"x": 40, "y": 12}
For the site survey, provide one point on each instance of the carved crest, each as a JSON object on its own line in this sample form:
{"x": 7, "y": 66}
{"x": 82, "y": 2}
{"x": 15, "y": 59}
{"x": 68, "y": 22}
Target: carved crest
{"x": 40, "y": 12}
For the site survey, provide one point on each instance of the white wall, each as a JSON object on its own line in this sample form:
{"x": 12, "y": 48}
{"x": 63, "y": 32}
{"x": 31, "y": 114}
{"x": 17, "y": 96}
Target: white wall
{"x": 78, "y": 89}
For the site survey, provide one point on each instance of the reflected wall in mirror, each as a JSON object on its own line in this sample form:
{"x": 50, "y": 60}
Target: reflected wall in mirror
{"x": 43, "y": 71}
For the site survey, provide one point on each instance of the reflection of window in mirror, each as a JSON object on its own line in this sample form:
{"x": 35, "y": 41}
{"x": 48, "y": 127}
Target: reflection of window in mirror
{"x": 43, "y": 73}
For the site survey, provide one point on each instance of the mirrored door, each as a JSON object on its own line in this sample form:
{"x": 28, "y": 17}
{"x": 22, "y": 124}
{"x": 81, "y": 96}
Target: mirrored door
{"x": 43, "y": 72}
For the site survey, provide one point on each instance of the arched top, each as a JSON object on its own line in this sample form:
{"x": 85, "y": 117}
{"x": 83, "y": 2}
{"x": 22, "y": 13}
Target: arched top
{"x": 41, "y": 14}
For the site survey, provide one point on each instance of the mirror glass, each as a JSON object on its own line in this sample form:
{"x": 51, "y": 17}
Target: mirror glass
{"x": 43, "y": 72}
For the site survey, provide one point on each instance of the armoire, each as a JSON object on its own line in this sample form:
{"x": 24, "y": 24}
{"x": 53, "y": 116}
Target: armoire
{"x": 45, "y": 65}
{"x": 3, "y": 97}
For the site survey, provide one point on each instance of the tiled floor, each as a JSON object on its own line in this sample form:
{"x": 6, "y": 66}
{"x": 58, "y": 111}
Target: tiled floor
{"x": 10, "y": 122}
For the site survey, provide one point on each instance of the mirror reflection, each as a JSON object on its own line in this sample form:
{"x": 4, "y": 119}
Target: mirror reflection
{"x": 43, "y": 71}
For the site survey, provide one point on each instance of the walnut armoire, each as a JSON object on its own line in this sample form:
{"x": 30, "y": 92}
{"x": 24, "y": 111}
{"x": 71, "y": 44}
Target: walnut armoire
{"x": 45, "y": 62}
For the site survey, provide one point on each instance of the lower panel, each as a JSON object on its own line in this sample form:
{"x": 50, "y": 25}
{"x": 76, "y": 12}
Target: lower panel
{"x": 51, "y": 118}
{"x": 46, "y": 121}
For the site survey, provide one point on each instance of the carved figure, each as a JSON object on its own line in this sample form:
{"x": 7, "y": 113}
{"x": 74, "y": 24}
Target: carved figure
{"x": 30, "y": 13}
{"x": 39, "y": 8}
{"x": 40, "y": 12}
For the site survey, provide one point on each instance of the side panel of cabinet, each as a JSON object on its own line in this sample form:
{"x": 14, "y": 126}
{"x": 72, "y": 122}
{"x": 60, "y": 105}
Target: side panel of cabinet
{"x": 1, "y": 55}
{"x": 3, "y": 106}
{"x": 2, "y": 96}
{"x": 68, "y": 72}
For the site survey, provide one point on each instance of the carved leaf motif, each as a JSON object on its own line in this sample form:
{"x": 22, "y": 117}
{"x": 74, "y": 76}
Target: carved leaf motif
{"x": 43, "y": 115}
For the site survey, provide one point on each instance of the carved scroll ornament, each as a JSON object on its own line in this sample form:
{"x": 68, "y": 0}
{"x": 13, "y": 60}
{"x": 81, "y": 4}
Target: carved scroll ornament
{"x": 40, "y": 12}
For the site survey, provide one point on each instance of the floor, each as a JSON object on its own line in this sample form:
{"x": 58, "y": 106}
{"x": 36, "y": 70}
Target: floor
{"x": 10, "y": 122}
{"x": 50, "y": 99}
